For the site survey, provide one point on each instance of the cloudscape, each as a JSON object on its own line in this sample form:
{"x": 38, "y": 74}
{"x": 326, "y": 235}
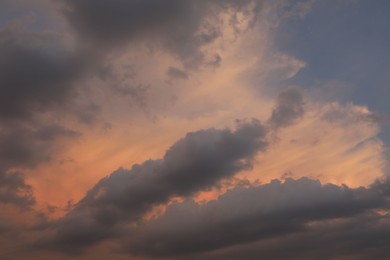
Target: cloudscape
{"x": 183, "y": 129}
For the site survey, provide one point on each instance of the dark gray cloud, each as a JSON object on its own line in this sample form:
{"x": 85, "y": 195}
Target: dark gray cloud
{"x": 364, "y": 236}
{"x": 181, "y": 27}
{"x": 289, "y": 108}
{"x": 244, "y": 215}
{"x": 113, "y": 22}
{"x": 36, "y": 74}
{"x": 382, "y": 186}
{"x": 195, "y": 163}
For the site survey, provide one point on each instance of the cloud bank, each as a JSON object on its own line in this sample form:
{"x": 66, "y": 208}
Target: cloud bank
{"x": 257, "y": 213}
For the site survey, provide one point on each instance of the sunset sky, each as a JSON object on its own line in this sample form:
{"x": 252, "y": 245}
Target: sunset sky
{"x": 194, "y": 129}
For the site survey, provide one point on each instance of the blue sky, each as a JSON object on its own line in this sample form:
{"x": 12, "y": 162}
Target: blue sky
{"x": 347, "y": 42}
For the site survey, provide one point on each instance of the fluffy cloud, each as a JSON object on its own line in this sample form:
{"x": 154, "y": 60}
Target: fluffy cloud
{"x": 195, "y": 163}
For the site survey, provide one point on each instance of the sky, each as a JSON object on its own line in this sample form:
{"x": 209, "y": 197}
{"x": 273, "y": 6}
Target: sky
{"x": 182, "y": 129}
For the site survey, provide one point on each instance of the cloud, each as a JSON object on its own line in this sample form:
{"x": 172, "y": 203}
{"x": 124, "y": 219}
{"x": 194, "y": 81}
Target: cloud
{"x": 24, "y": 147}
{"x": 37, "y": 73}
{"x": 193, "y": 164}
{"x": 112, "y": 22}
{"x": 122, "y": 81}
{"x": 181, "y": 27}
{"x": 363, "y": 236}
{"x": 43, "y": 75}
{"x": 244, "y": 215}
{"x": 40, "y": 78}
{"x": 289, "y": 108}
{"x": 37, "y": 76}
{"x": 332, "y": 142}
{"x": 173, "y": 72}
{"x": 14, "y": 190}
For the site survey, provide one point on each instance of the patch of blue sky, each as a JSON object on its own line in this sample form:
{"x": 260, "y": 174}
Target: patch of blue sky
{"x": 346, "y": 42}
